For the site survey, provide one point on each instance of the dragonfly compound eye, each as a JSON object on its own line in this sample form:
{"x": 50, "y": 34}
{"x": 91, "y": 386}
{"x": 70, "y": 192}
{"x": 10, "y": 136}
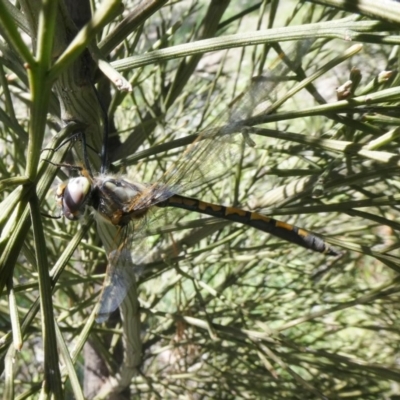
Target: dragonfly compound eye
{"x": 74, "y": 197}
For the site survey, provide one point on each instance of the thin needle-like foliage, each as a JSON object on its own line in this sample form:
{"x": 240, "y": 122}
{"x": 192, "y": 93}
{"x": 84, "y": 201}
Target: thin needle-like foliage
{"x": 307, "y": 96}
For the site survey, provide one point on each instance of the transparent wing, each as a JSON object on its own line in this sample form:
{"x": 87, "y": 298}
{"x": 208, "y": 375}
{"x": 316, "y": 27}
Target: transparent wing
{"x": 120, "y": 273}
{"x": 120, "y": 276}
{"x": 201, "y": 157}
{"x": 127, "y": 252}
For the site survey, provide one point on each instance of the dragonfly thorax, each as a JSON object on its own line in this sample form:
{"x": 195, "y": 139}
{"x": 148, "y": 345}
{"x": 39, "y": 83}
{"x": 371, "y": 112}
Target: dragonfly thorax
{"x": 72, "y": 196}
{"x": 114, "y": 199}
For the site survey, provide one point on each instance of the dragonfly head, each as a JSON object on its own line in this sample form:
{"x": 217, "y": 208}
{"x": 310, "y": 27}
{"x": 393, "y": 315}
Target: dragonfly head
{"x": 73, "y": 195}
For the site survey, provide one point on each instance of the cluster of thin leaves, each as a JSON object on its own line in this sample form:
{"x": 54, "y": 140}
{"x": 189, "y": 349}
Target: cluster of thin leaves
{"x": 227, "y": 311}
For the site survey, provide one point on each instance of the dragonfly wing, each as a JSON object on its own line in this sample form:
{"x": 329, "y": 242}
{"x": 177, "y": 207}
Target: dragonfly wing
{"x": 120, "y": 277}
{"x": 195, "y": 165}
{"x": 120, "y": 274}
{"x": 198, "y": 163}
{"x": 124, "y": 265}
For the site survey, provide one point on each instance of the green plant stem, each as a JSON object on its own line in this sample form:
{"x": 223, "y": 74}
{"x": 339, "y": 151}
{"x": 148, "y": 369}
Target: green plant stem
{"x": 13, "y": 36}
{"x": 102, "y": 16}
{"x": 387, "y": 10}
{"x": 343, "y": 29}
{"x": 51, "y": 368}
{"x": 130, "y": 23}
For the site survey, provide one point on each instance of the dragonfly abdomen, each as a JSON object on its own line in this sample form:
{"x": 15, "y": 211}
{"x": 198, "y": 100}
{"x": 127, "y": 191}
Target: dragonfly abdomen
{"x": 261, "y": 222}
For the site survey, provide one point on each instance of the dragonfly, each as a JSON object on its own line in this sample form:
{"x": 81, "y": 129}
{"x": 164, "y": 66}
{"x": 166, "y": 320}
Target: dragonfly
{"x": 123, "y": 203}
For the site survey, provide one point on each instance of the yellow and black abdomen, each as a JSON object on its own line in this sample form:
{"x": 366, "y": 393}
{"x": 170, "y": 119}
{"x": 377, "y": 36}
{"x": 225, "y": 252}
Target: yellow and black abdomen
{"x": 261, "y": 222}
